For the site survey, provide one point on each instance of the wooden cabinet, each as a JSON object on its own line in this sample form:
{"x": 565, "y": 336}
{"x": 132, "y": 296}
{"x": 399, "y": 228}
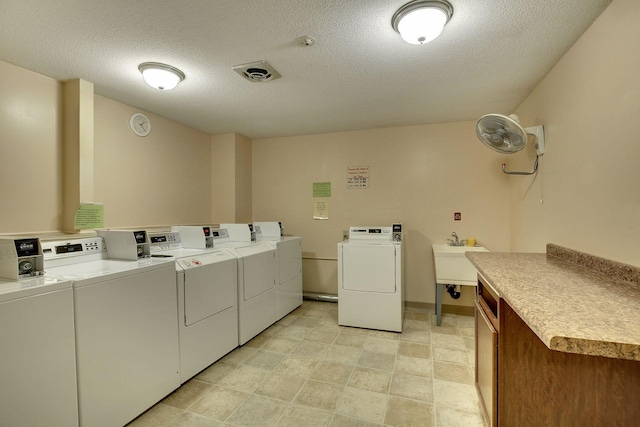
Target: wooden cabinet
{"x": 487, "y": 327}
{"x": 486, "y": 364}
{"x": 537, "y": 386}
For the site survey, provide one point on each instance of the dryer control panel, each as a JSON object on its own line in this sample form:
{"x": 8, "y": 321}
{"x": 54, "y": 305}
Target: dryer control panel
{"x": 240, "y": 232}
{"x": 384, "y": 234}
{"x": 370, "y": 233}
{"x": 269, "y": 229}
{"x": 397, "y": 232}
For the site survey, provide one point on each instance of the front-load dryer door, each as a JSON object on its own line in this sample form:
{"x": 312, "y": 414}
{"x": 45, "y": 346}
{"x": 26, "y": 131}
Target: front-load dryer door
{"x": 259, "y": 271}
{"x": 369, "y": 268}
{"x": 208, "y": 290}
{"x": 289, "y": 259}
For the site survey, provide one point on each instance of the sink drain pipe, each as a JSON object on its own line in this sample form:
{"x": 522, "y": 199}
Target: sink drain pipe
{"x": 454, "y": 291}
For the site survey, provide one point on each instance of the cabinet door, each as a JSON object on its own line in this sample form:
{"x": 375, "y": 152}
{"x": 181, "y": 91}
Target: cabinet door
{"x": 486, "y": 364}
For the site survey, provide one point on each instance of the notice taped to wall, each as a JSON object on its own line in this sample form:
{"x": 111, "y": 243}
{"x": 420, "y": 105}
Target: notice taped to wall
{"x": 358, "y": 177}
{"x": 89, "y": 216}
{"x": 320, "y": 208}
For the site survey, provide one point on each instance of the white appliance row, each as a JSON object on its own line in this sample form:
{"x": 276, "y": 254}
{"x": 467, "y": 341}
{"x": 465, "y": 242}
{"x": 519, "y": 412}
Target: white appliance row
{"x": 268, "y": 273}
{"x": 100, "y": 325}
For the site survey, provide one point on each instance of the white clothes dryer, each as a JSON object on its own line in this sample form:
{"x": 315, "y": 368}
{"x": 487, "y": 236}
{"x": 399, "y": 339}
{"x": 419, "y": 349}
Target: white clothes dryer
{"x": 207, "y": 290}
{"x": 125, "y": 324}
{"x": 257, "y": 288}
{"x": 289, "y": 261}
{"x": 371, "y": 279}
{"x": 37, "y": 349}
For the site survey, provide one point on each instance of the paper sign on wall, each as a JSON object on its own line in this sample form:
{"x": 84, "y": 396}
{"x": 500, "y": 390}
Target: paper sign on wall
{"x": 320, "y": 208}
{"x": 89, "y": 215}
{"x": 358, "y": 177}
{"x": 321, "y": 189}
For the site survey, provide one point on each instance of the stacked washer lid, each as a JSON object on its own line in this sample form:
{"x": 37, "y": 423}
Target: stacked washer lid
{"x": 371, "y": 279}
{"x": 289, "y": 261}
{"x": 257, "y": 276}
{"x": 207, "y": 296}
{"x": 37, "y": 343}
{"x": 125, "y": 323}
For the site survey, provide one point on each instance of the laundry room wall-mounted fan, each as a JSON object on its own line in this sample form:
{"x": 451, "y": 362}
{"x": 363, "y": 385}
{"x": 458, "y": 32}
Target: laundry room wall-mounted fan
{"x": 505, "y": 135}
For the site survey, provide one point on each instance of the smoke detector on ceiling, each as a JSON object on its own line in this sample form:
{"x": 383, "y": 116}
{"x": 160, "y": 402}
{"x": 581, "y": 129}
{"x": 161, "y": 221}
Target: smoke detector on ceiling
{"x": 257, "y": 72}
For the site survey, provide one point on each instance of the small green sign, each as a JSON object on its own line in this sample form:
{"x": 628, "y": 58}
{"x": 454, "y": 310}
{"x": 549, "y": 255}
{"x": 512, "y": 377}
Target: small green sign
{"x": 321, "y": 189}
{"x": 89, "y": 215}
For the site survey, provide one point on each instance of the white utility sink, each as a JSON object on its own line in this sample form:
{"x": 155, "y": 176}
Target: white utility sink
{"x": 453, "y": 267}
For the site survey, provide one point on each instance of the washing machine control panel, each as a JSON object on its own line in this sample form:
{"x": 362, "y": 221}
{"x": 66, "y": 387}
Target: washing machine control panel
{"x": 78, "y": 247}
{"x": 20, "y": 257}
{"x": 164, "y": 241}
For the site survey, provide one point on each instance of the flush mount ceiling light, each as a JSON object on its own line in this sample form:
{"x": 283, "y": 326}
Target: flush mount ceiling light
{"x": 161, "y": 76}
{"x": 419, "y": 21}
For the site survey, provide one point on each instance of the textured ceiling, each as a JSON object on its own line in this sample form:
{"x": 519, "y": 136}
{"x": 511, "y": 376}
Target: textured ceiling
{"x": 358, "y": 75}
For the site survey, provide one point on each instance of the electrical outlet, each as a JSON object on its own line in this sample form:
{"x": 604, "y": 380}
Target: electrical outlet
{"x": 345, "y": 234}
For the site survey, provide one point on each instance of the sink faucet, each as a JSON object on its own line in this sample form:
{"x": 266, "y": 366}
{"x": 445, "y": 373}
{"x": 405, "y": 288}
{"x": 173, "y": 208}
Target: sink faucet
{"x": 455, "y": 242}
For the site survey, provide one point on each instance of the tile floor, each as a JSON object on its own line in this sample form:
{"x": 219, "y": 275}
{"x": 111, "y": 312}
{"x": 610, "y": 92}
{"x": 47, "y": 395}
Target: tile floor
{"x": 305, "y": 370}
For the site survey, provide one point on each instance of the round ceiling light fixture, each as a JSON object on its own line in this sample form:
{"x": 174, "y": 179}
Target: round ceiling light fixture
{"x": 161, "y": 76}
{"x": 420, "y": 21}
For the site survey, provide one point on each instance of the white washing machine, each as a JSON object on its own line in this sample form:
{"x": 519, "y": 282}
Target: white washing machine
{"x": 289, "y": 260}
{"x": 207, "y": 299}
{"x": 257, "y": 276}
{"x": 371, "y": 278}
{"x": 125, "y": 323}
{"x": 37, "y": 342}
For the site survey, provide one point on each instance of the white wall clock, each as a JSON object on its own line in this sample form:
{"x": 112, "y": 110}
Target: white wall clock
{"x": 140, "y": 124}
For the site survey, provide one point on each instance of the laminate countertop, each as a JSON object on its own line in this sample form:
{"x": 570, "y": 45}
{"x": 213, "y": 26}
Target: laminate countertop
{"x": 574, "y": 302}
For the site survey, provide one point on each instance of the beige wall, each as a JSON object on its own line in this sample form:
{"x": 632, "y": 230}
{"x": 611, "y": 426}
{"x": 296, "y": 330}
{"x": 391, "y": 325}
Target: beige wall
{"x": 157, "y": 180}
{"x": 589, "y": 180}
{"x": 420, "y": 176}
{"x": 30, "y": 151}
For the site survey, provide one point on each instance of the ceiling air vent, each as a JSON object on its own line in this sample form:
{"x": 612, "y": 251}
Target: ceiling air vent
{"x": 257, "y": 72}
